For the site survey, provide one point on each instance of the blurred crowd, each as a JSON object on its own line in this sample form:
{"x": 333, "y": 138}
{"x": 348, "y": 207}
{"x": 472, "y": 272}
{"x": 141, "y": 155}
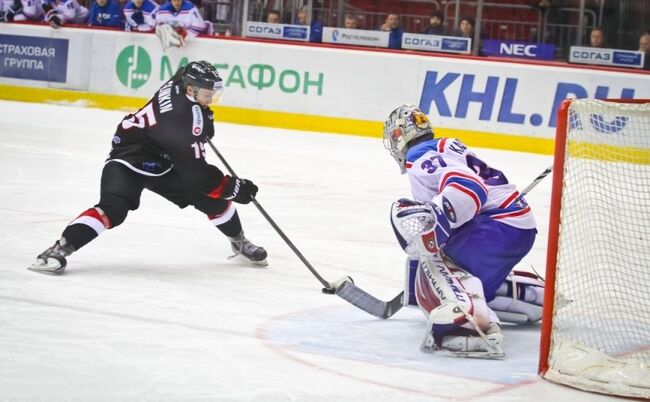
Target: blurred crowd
{"x": 186, "y": 18}
{"x": 130, "y": 15}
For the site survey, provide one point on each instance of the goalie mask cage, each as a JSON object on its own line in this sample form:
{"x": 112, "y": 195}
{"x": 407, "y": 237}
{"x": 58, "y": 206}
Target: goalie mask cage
{"x": 596, "y": 322}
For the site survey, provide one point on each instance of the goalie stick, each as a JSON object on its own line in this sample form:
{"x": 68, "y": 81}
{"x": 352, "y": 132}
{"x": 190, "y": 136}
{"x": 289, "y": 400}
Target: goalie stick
{"x": 382, "y": 309}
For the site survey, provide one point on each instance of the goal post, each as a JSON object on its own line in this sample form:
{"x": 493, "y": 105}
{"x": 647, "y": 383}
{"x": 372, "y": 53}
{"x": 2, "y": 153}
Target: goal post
{"x": 596, "y": 321}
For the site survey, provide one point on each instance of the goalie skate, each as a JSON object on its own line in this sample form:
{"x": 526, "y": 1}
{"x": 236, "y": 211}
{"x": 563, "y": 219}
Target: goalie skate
{"x": 467, "y": 343}
{"x": 52, "y": 260}
{"x": 242, "y": 246}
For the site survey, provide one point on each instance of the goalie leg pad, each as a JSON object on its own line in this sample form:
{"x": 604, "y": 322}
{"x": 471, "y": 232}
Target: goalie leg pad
{"x": 455, "y": 307}
{"x": 519, "y": 299}
{"x": 411, "y": 270}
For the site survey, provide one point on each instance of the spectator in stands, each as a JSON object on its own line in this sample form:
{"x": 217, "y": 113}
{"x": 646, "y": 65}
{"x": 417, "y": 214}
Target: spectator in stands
{"x": 351, "y": 21}
{"x": 273, "y": 17}
{"x": 316, "y": 28}
{"x": 597, "y": 38}
{"x": 184, "y": 18}
{"x": 391, "y": 24}
{"x": 106, "y": 13}
{"x": 21, "y": 10}
{"x": 436, "y": 24}
{"x": 141, "y": 15}
{"x": 466, "y": 27}
{"x": 61, "y": 12}
{"x": 644, "y": 46}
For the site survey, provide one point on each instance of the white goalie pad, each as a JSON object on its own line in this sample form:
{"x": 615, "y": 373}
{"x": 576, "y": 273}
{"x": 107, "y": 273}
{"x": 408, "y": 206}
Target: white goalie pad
{"x": 459, "y": 321}
{"x": 168, "y": 36}
{"x": 519, "y": 299}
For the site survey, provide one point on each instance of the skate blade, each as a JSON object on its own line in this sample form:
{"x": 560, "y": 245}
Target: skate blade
{"x": 52, "y": 268}
{"x": 497, "y": 355}
{"x": 492, "y": 355}
{"x": 241, "y": 258}
{"x": 429, "y": 346}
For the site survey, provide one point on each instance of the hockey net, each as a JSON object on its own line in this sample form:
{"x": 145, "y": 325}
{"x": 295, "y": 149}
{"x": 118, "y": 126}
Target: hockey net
{"x": 596, "y": 324}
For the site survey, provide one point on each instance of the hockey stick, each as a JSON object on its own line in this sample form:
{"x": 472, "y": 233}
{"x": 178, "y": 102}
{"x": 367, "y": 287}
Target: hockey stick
{"x": 329, "y": 288}
{"x": 371, "y": 305}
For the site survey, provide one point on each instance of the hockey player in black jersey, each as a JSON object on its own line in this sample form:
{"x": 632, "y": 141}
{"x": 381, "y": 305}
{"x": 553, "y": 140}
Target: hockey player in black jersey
{"x": 161, "y": 148}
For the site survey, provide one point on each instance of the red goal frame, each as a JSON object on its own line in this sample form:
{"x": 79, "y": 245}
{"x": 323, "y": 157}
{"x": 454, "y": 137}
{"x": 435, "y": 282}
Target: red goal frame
{"x": 554, "y": 227}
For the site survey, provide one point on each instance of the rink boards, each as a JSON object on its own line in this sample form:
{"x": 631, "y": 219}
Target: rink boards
{"x": 487, "y": 103}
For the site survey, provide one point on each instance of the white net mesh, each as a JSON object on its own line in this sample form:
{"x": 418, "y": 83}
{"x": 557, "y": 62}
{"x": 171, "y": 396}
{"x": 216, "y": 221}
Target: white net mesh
{"x": 602, "y": 291}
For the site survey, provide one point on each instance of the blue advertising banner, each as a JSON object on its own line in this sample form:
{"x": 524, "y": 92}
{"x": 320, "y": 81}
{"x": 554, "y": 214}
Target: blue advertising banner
{"x": 606, "y": 57}
{"x": 277, "y": 31}
{"x": 295, "y": 32}
{"x": 436, "y": 43}
{"x": 33, "y": 58}
{"x": 518, "y": 49}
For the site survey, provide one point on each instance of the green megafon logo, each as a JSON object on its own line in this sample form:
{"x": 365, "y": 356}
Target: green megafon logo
{"x": 133, "y": 66}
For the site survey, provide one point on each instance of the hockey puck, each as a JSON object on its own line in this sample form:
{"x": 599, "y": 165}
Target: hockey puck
{"x": 329, "y": 291}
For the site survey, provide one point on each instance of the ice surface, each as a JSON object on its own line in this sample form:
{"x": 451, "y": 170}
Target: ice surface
{"x": 154, "y": 310}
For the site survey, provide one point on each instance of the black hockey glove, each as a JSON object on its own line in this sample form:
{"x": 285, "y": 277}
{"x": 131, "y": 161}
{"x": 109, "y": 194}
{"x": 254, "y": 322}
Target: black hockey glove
{"x": 15, "y": 8}
{"x": 55, "y": 21}
{"x": 240, "y": 191}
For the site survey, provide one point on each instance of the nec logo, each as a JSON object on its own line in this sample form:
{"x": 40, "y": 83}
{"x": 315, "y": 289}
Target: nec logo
{"x": 264, "y": 30}
{"x": 422, "y": 42}
{"x": 518, "y": 49}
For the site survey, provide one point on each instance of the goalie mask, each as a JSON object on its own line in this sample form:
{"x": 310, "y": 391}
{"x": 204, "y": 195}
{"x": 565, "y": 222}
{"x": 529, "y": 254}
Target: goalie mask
{"x": 403, "y": 125}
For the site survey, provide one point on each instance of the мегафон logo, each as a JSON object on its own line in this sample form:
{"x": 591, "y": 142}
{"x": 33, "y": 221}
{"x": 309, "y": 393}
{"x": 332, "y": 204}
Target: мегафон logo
{"x": 133, "y": 66}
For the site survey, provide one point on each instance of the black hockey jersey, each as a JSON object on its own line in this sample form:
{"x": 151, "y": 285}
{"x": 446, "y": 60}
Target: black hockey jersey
{"x": 169, "y": 132}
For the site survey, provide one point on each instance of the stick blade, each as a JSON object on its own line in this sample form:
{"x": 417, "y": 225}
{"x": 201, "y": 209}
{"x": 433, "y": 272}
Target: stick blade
{"x": 368, "y": 303}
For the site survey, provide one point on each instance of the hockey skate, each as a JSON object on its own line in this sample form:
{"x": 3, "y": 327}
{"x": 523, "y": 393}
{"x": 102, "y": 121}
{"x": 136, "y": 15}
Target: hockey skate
{"x": 242, "y": 246}
{"x": 461, "y": 342}
{"x": 52, "y": 260}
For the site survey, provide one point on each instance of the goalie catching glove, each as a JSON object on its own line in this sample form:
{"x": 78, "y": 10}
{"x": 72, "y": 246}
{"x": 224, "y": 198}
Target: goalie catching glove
{"x": 419, "y": 228}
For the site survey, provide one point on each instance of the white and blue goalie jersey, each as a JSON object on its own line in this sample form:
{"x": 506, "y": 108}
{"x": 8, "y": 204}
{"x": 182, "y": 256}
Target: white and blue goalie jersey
{"x": 444, "y": 171}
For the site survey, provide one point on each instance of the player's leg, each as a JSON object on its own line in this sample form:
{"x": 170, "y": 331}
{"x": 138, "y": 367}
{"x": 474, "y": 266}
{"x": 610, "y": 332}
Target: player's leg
{"x": 459, "y": 319}
{"x": 221, "y": 213}
{"x": 495, "y": 249}
{"x": 519, "y": 299}
{"x": 120, "y": 192}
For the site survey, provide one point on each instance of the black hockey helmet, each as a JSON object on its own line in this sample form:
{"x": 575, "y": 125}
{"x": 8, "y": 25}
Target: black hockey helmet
{"x": 201, "y": 74}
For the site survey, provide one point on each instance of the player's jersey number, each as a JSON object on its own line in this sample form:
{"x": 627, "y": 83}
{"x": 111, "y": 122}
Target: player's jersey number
{"x": 143, "y": 118}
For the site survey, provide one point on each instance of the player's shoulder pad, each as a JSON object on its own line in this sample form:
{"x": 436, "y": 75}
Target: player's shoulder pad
{"x": 414, "y": 153}
{"x": 187, "y": 5}
{"x": 149, "y": 6}
{"x": 167, "y": 7}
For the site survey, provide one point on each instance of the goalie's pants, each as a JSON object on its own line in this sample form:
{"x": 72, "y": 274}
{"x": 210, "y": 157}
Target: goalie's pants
{"x": 488, "y": 249}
